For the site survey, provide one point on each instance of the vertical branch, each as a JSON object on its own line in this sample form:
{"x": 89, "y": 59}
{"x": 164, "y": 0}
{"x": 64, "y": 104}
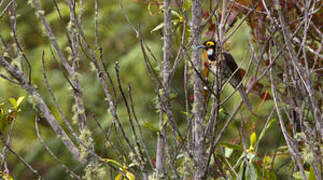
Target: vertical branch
{"x": 160, "y": 149}
{"x": 78, "y": 94}
{"x": 166, "y": 84}
{"x": 198, "y": 107}
{"x": 21, "y": 54}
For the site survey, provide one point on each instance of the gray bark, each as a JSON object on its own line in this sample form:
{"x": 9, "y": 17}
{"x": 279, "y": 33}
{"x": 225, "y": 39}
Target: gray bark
{"x": 198, "y": 111}
{"x": 166, "y": 84}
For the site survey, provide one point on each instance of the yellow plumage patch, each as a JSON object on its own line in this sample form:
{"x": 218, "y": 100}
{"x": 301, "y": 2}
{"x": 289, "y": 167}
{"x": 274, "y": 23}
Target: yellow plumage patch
{"x": 209, "y": 43}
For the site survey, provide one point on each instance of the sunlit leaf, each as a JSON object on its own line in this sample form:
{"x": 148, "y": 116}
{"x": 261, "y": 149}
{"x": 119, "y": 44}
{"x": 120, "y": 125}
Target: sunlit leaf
{"x": 19, "y": 101}
{"x": 119, "y": 177}
{"x": 228, "y": 152}
{"x": 13, "y": 102}
{"x": 253, "y": 139}
{"x": 175, "y": 13}
{"x": 267, "y": 161}
{"x": 158, "y": 27}
{"x": 129, "y": 176}
{"x": 112, "y": 161}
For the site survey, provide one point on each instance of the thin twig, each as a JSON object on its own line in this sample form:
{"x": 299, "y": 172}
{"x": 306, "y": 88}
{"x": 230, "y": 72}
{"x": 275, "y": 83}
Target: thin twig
{"x": 51, "y": 152}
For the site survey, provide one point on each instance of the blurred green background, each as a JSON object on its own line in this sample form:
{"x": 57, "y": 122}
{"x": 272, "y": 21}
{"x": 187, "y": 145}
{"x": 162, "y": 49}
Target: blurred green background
{"x": 119, "y": 43}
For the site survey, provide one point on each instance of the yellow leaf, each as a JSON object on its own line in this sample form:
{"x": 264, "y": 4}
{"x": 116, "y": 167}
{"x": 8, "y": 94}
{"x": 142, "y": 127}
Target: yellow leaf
{"x": 112, "y": 161}
{"x": 19, "y": 101}
{"x": 253, "y": 139}
{"x": 130, "y": 176}
{"x": 118, "y": 177}
{"x": 13, "y": 102}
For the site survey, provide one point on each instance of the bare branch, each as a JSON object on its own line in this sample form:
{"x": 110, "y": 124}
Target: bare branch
{"x": 34, "y": 171}
{"x": 73, "y": 175}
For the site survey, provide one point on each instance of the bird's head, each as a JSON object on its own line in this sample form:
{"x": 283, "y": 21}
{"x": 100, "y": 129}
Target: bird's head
{"x": 209, "y": 46}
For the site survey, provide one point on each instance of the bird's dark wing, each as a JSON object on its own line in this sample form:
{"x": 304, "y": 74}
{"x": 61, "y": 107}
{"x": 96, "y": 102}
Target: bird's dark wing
{"x": 230, "y": 61}
{"x": 232, "y": 65}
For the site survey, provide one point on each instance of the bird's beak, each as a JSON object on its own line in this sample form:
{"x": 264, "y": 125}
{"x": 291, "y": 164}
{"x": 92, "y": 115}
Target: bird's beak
{"x": 200, "y": 46}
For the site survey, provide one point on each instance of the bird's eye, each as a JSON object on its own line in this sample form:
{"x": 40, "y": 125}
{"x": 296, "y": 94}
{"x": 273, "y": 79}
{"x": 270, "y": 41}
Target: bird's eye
{"x": 209, "y": 43}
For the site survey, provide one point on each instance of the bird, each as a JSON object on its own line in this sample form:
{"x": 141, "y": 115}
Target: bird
{"x": 229, "y": 67}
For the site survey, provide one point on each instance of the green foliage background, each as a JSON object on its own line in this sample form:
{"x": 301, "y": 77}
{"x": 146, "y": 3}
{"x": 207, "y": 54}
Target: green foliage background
{"x": 119, "y": 43}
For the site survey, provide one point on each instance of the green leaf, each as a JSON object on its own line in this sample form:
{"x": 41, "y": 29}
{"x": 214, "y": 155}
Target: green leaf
{"x": 241, "y": 170}
{"x": 240, "y": 161}
{"x": 265, "y": 130}
{"x": 232, "y": 146}
{"x": 165, "y": 119}
{"x": 173, "y": 96}
{"x": 150, "y": 126}
{"x": 158, "y": 27}
{"x": 175, "y": 13}
{"x": 2, "y": 112}
{"x": 312, "y": 174}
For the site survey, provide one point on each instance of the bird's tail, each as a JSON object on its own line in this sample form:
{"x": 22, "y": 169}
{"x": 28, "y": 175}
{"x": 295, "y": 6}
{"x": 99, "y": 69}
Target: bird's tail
{"x": 245, "y": 98}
